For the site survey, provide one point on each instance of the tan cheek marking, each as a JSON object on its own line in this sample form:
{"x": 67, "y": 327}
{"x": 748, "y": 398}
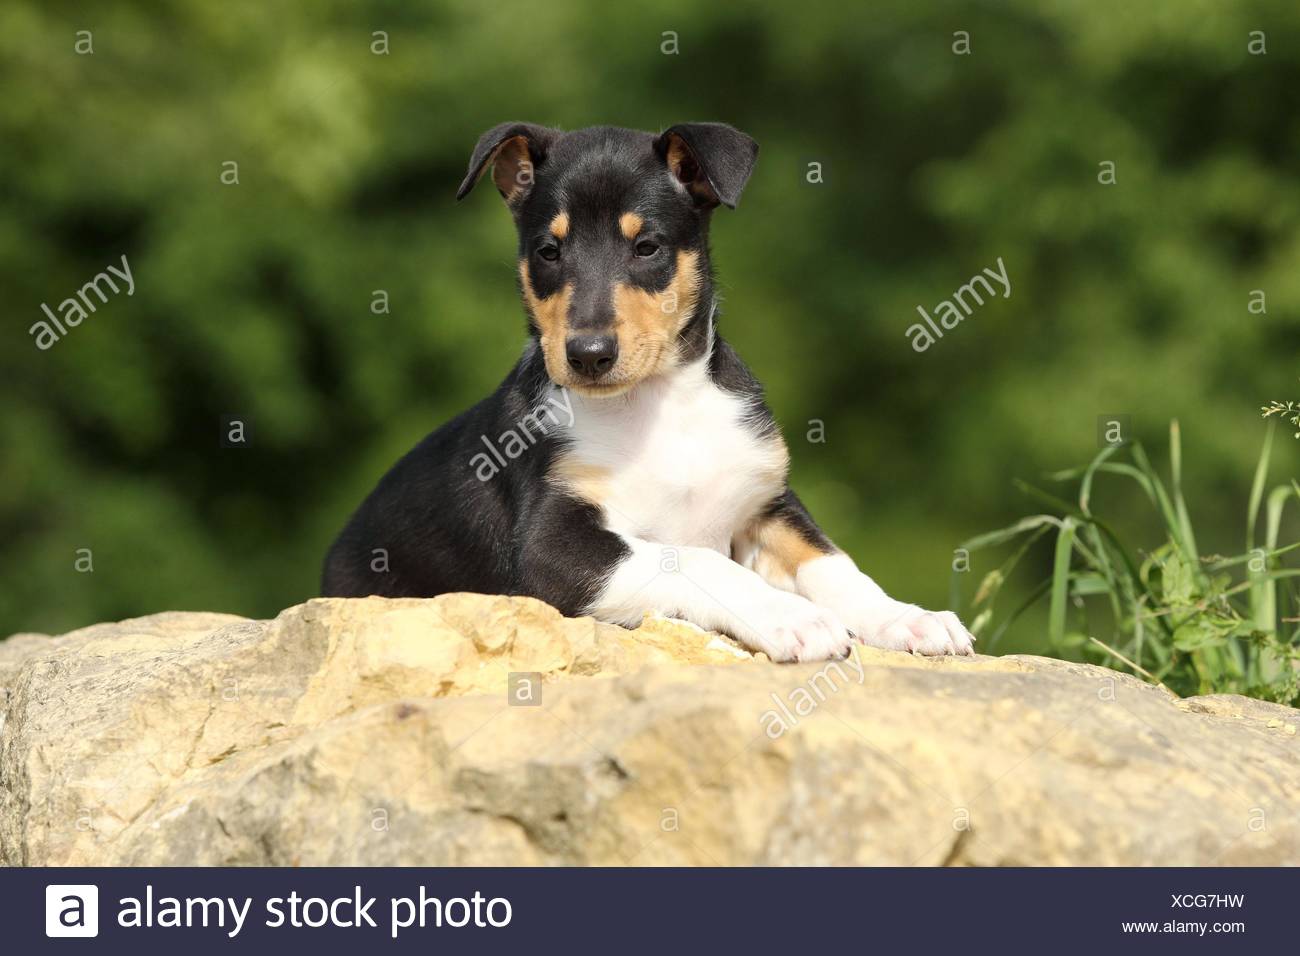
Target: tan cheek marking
{"x": 588, "y": 482}
{"x": 649, "y": 322}
{"x": 630, "y": 225}
{"x": 560, "y": 225}
{"x": 550, "y": 314}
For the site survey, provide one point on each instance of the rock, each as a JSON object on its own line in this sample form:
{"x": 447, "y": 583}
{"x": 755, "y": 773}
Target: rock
{"x": 377, "y": 732}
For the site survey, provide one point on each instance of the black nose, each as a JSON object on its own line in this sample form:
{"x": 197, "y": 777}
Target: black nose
{"x": 591, "y": 355}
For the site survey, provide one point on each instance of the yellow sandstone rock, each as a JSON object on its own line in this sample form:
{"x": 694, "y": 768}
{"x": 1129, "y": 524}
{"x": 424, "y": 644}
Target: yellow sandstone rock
{"x": 375, "y": 732}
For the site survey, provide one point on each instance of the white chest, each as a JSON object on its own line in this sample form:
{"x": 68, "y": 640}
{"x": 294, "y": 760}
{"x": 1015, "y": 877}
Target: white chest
{"x": 674, "y": 462}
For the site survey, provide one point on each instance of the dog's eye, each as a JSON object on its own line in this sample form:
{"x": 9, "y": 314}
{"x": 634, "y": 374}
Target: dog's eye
{"x": 549, "y": 252}
{"x": 645, "y": 248}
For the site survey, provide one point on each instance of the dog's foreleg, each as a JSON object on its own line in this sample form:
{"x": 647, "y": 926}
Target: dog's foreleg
{"x": 714, "y": 592}
{"x": 789, "y": 551}
{"x": 569, "y": 559}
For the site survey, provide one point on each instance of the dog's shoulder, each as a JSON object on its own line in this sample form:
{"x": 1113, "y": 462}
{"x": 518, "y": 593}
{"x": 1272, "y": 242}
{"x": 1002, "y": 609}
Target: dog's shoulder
{"x": 729, "y": 373}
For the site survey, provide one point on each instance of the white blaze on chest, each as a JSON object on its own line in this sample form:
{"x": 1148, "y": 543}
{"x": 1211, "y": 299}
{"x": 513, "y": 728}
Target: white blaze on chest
{"x": 674, "y": 462}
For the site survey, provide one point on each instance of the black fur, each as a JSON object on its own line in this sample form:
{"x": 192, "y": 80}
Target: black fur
{"x": 431, "y": 525}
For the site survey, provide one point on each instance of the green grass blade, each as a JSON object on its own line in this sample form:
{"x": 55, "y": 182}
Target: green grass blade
{"x": 1277, "y": 499}
{"x": 1006, "y": 534}
{"x": 1262, "y": 599}
{"x": 1225, "y": 563}
{"x": 1257, "y": 485}
{"x": 1113, "y": 589}
{"x": 1163, "y": 501}
{"x": 1270, "y": 576}
{"x": 1060, "y": 583}
{"x": 1079, "y": 517}
{"x": 1263, "y": 589}
{"x": 1085, "y": 487}
{"x": 1039, "y": 590}
{"x": 1118, "y": 468}
{"x": 1065, "y": 507}
{"x": 1176, "y": 484}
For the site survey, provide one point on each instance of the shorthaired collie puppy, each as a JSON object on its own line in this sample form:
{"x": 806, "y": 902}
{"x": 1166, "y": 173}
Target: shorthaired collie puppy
{"x": 628, "y": 463}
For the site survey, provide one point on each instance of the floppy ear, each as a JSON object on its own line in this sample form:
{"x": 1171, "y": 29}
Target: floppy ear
{"x": 514, "y": 150}
{"x": 712, "y": 160}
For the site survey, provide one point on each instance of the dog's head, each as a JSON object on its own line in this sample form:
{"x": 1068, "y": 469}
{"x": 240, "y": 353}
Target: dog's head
{"x": 613, "y": 239}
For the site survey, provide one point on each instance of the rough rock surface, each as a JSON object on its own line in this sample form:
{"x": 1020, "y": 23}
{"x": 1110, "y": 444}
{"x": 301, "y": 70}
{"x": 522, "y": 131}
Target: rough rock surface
{"x": 374, "y": 732}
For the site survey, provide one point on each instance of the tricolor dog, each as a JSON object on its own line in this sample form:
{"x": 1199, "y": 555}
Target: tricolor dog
{"x": 654, "y": 475}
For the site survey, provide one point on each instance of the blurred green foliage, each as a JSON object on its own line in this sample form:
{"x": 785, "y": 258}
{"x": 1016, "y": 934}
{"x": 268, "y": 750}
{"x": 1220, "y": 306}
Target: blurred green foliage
{"x": 255, "y": 298}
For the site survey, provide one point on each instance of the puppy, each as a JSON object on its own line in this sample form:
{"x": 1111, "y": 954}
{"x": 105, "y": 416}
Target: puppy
{"x": 628, "y": 463}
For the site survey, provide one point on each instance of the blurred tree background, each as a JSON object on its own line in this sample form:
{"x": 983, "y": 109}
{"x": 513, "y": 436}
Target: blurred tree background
{"x": 255, "y": 299}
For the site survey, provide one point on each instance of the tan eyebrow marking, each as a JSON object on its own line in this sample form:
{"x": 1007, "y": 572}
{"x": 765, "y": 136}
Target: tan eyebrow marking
{"x": 630, "y": 224}
{"x": 560, "y": 225}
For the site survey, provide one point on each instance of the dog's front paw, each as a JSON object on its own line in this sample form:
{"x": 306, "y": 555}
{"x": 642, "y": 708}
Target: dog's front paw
{"x": 834, "y": 582}
{"x": 787, "y": 627}
{"x": 906, "y": 627}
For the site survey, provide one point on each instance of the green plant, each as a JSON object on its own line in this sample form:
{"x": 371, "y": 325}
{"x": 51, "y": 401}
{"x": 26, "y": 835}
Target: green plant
{"x": 1191, "y": 622}
{"x": 1288, "y": 411}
